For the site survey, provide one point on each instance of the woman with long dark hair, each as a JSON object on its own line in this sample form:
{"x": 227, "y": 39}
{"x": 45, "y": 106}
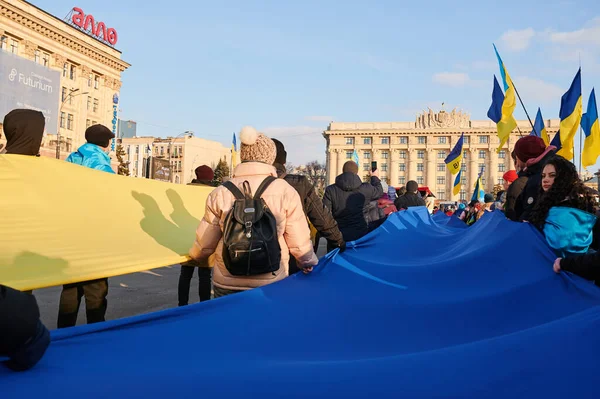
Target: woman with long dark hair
{"x": 563, "y": 211}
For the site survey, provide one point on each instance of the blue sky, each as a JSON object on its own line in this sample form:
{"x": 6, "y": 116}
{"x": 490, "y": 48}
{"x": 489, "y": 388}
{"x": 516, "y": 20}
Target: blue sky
{"x": 288, "y": 68}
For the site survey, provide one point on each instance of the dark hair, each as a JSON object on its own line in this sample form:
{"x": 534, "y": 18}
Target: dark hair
{"x": 350, "y": 166}
{"x": 567, "y": 185}
{"x": 401, "y": 191}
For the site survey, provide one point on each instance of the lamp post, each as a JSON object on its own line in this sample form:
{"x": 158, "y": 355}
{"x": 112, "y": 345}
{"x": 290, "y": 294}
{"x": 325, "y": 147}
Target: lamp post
{"x": 187, "y": 133}
{"x": 58, "y": 137}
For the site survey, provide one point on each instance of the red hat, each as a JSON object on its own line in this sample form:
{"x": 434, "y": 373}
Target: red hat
{"x": 510, "y": 176}
{"x": 529, "y": 147}
{"x": 204, "y": 173}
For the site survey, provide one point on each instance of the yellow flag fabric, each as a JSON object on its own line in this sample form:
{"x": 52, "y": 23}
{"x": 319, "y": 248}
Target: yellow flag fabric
{"x": 62, "y": 223}
{"x": 508, "y": 123}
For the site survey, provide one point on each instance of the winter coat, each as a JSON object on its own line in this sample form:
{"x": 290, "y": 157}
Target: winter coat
{"x": 318, "y": 215}
{"x": 586, "y": 266}
{"x": 24, "y": 130}
{"x": 409, "y": 200}
{"x": 347, "y": 199}
{"x": 292, "y": 230}
{"x": 91, "y": 156}
{"x": 531, "y": 191}
{"x": 514, "y": 190}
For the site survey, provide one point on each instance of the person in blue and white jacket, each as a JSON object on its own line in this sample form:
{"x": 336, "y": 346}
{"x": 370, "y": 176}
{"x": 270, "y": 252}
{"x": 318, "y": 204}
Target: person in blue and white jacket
{"x": 93, "y": 154}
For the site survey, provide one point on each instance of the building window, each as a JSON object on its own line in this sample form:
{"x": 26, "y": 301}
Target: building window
{"x": 420, "y": 179}
{"x": 465, "y": 139}
{"x": 403, "y": 140}
{"x": 483, "y": 181}
{"x": 384, "y": 167}
{"x": 442, "y": 154}
{"x": 463, "y": 180}
{"x": 63, "y": 119}
{"x": 441, "y": 194}
{"x": 420, "y": 154}
{"x": 349, "y": 140}
{"x": 162, "y": 150}
{"x": 367, "y": 155}
{"x": 500, "y": 181}
{"x": 88, "y": 123}
{"x": 463, "y": 195}
{"x": 402, "y": 154}
{"x": 501, "y": 167}
{"x": 3, "y": 42}
{"x": 367, "y": 140}
{"x": 502, "y": 154}
{"x": 465, "y": 154}
{"x": 14, "y": 46}
{"x": 481, "y": 167}
{"x": 463, "y": 167}
{"x": 385, "y": 140}
{"x": 441, "y": 167}
{"x": 46, "y": 60}
{"x": 441, "y": 180}
{"x": 89, "y": 103}
{"x": 384, "y": 154}
{"x": 63, "y": 94}
{"x": 90, "y": 77}
{"x": 420, "y": 167}
{"x": 483, "y": 139}
{"x": 402, "y": 180}
{"x": 96, "y": 82}
{"x": 481, "y": 154}
{"x": 70, "y": 122}
{"x": 349, "y": 154}
{"x": 402, "y": 167}
{"x": 94, "y": 122}
{"x": 384, "y": 180}
{"x": 442, "y": 140}
{"x": 422, "y": 140}
{"x": 366, "y": 166}
{"x": 65, "y": 70}
{"x": 96, "y": 104}
{"x": 37, "y": 56}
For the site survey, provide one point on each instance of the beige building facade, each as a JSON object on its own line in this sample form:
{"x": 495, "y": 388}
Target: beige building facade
{"x": 416, "y": 150}
{"x": 184, "y": 153}
{"x": 90, "y": 69}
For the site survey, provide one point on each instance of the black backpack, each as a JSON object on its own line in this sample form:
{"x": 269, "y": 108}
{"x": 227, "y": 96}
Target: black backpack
{"x": 250, "y": 242}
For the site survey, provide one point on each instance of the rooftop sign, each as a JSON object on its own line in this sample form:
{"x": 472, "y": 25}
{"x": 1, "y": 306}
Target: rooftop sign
{"x": 87, "y": 24}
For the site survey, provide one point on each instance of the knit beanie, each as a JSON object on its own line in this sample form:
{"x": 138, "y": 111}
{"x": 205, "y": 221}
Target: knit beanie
{"x": 529, "y": 147}
{"x": 99, "y": 135}
{"x": 281, "y": 156}
{"x": 256, "y": 147}
{"x": 510, "y": 176}
{"x": 204, "y": 173}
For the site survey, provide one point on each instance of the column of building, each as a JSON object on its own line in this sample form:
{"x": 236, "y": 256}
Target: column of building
{"x": 332, "y": 164}
{"x": 393, "y": 167}
{"x": 412, "y": 164}
{"x": 339, "y": 163}
{"x": 473, "y": 172}
{"x": 493, "y": 172}
{"x": 376, "y": 156}
{"x": 431, "y": 170}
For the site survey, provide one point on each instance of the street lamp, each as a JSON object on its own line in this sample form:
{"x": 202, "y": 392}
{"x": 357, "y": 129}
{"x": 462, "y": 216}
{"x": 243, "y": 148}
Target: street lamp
{"x": 69, "y": 96}
{"x": 187, "y": 133}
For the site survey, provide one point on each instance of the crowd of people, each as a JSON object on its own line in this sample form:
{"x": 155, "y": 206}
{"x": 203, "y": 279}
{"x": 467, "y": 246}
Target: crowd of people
{"x": 256, "y": 229}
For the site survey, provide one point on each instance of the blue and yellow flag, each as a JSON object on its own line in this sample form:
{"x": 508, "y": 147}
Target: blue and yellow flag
{"x": 570, "y": 117}
{"x": 479, "y": 192}
{"x": 233, "y": 152}
{"x": 506, "y": 104}
{"x": 355, "y": 157}
{"x": 539, "y": 129}
{"x": 454, "y": 158}
{"x": 456, "y": 188}
{"x": 591, "y": 128}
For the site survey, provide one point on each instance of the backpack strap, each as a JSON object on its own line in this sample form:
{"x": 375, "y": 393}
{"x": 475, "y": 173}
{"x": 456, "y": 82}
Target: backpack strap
{"x": 263, "y": 186}
{"x": 234, "y": 190}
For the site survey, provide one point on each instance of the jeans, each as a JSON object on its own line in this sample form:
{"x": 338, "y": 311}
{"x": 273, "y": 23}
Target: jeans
{"x": 185, "y": 280}
{"x": 95, "y": 293}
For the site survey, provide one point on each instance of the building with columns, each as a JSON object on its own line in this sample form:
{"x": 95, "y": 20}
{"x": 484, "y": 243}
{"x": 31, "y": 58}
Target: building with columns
{"x": 90, "y": 70}
{"x": 416, "y": 150}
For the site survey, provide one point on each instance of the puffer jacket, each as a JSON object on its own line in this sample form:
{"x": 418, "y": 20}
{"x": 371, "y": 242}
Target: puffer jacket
{"x": 91, "y": 156}
{"x": 531, "y": 191}
{"x": 347, "y": 199}
{"x": 292, "y": 229}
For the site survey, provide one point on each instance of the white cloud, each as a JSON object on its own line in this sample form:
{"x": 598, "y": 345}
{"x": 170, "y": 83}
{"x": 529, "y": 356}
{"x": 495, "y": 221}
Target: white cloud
{"x": 517, "y": 40}
{"x": 302, "y": 143}
{"x": 590, "y": 34}
{"x": 533, "y": 90}
{"x": 452, "y": 79}
{"x": 319, "y": 118}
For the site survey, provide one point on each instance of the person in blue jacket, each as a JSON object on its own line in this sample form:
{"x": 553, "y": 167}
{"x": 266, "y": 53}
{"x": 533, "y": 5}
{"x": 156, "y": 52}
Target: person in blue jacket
{"x": 93, "y": 155}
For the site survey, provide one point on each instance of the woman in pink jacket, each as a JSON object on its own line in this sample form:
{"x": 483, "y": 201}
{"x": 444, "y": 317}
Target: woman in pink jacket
{"x": 257, "y": 154}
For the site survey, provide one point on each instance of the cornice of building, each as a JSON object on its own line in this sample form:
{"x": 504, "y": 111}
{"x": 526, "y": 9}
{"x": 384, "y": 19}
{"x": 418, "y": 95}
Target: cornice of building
{"x": 66, "y": 38}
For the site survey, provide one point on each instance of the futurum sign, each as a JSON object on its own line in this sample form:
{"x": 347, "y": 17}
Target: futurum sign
{"x": 25, "y": 84}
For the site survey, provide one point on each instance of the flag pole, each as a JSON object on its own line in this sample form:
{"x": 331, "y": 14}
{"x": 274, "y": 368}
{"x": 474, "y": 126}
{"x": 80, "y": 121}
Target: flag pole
{"x": 526, "y": 113}
{"x": 580, "y": 151}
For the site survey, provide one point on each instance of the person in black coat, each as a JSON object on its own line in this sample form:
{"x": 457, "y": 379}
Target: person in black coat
{"x": 586, "y": 266}
{"x": 347, "y": 199}
{"x": 410, "y": 198}
{"x": 23, "y": 337}
{"x": 319, "y": 215}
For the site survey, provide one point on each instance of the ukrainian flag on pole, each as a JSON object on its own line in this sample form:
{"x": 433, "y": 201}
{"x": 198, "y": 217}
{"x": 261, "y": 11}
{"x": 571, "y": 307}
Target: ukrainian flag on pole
{"x": 233, "y": 152}
{"x": 479, "y": 193}
{"x": 503, "y": 104}
{"x": 355, "y": 157}
{"x": 456, "y": 188}
{"x": 591, "y": 128}
{"x": 453, "y": 159}
{"x": 539, "y": 129}
{"x": 570, "y": 118}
